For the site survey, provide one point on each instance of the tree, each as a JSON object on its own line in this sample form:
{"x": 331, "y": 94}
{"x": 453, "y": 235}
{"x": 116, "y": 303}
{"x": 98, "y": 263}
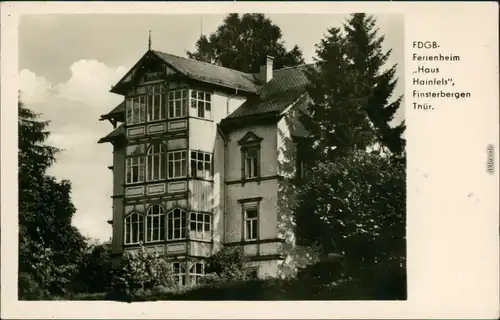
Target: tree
{"x": 365, "y": 52}
{"x": 337, "y": 114}
{"x": 96, "y": 269}
{"x": 359, "y": 192}
{"x": 242, "y": 43}
{"x": 50, "y": 247}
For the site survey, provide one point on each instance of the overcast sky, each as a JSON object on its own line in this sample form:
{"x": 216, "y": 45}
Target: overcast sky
{"x": 68, "y": 63}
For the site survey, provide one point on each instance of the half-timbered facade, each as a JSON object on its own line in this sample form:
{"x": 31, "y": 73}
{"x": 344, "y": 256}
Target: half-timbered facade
{"x": 199, "y": 161}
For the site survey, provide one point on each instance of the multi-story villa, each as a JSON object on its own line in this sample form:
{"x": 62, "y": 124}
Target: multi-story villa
{"x": 201, "y": 156}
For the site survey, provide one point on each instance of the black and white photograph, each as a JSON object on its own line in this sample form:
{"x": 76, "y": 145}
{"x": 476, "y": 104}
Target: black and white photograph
{"x": 236, "y": 156}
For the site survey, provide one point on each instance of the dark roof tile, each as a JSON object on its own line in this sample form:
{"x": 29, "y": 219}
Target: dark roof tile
{"x": 286, "y": 86}
{"x": 206, "y": 72}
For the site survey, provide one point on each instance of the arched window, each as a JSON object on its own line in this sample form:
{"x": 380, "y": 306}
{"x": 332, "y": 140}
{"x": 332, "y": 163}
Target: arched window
{"x": 155, "y": 223}
{"x": 156, "y": 164}
{"x": 134, "y": 229}
{"x": 176, "y": 224}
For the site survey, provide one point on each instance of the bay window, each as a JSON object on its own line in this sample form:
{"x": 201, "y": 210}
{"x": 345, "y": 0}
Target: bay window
{"x": 201, "y": 164}
{"x": 156, "y": 103}
{"x": 177, "y": 103}
{"x": 177, "y": 166}
{"x": 156, "y": 164}
{"x": 136, "y": 110}
{"x": 134, "y": 228}
{"x": 200, "y": 226}
{"x": 196, "y": 272}
{"x": 179, "y": 272}
{"x": 134, "y": 168}
{"x": 201, "y": 104}
{"x": 176, "y": 224}
{"x": 155, "y": 224}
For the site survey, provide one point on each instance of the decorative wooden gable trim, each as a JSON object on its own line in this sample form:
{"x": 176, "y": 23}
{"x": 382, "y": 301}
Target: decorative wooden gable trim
{"x": 250, "y": 138}
{"x": 139, "y": 70}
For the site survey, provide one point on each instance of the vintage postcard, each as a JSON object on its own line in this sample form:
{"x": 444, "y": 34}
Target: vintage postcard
{"x": 249, "y": 160}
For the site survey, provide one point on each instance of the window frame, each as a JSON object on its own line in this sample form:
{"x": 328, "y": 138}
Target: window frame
{"x": 140, "y": 167}
{"x": 130, "y": 108}
{"x": 250, "y": 222}
{"x": 140, "y": 229}
{"x": 184, "y": 101}
{"x": 151, "y": 102}
{"x": 160, "y": 217}
{"x": 171, "y": 225}
{"x": 181, "y": 275}
{"x": 195, "y": 274}
{"x": 173, "y": 161}
{"x": 195, "y": 102}
{"x": 256, "y": 164}
{"x": 207, "y": 174}
{"x": 203, "y": 234}
{"x": 151, "y": 155}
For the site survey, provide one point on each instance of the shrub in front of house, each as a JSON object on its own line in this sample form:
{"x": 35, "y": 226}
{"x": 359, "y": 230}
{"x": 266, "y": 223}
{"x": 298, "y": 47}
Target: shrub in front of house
{"x": 141, "y": 274}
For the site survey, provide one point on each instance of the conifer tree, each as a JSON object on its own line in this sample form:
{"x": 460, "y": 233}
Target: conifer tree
{"x": 336, "y": 110}
{"x": 49, "y": 246}
{"x": 354, "y": 201}
{"x": 364, "y": 50}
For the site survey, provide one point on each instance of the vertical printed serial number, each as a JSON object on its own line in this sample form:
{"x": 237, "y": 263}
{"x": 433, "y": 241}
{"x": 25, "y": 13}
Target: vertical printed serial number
{"x": 490, "y": 160}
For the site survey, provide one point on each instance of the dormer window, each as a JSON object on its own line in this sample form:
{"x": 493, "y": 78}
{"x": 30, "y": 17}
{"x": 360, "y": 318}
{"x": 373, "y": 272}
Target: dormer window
{"x": 250, "y": 156}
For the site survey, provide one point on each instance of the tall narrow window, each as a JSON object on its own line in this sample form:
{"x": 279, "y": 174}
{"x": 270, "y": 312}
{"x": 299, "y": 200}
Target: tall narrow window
{"x": 201, "y": 104}
{"x": 156, "y": 164}
{"x": 200, "y": 226}
{"x": 156, "y": 103}
{"x": 196, "y": 272}
{"x": 251, "y": 162}
{"x": 176, "y": 224}
{"x": 134, "y": 229}
{"x": 136, "y": 110}
{"x": 179, "y": 272}
{"x": 134, "y": 167}
{"x": 201, "y": 164}
{"x": 155, "y": 224}
{"x": 177, "y": 103}
{"x": 177, "y": 166}
{"x": 251, "y": 223}
{"x": 250, "y": 156}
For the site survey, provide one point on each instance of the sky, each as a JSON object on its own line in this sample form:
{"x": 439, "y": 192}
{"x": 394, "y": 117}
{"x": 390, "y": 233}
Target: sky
{"x": 68, "y": 63}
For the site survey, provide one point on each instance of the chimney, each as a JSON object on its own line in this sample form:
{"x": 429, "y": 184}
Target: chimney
{"x": 266, "y": 71}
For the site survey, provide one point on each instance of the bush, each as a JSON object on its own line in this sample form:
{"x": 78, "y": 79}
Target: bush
{"x": 140, "y": 274}
{"x": 226, "y": 264}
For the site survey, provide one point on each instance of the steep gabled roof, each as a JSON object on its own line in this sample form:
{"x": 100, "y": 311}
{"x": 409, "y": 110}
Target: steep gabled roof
{"x": 210, "y": 73}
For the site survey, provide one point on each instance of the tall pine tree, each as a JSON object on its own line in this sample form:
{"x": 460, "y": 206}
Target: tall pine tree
{"x": 336, "y": 110}
{"x": 50, "y": 248}
{"x": 364, "y": 50}
{"x": 359, "y": 195}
